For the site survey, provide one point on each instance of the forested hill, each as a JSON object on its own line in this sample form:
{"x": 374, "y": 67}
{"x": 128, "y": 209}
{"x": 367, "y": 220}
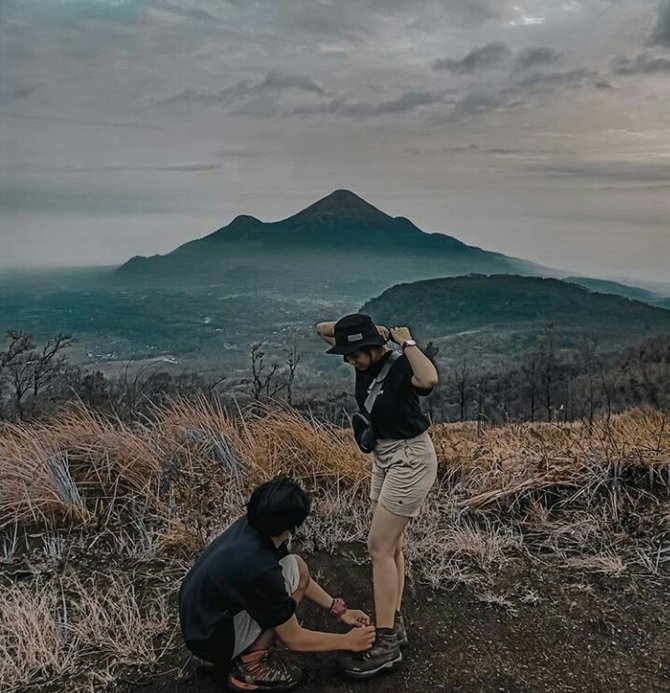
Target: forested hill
{"x": 506, "y": 312}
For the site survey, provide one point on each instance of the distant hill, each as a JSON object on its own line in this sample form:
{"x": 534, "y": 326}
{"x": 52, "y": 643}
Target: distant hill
{"x": 340, "y": 244}
{"x": 507, "y": 314}
{"x": 605, "y": 286}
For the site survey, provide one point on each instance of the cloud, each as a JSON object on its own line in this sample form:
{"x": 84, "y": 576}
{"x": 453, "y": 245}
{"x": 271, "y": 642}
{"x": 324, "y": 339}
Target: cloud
{"x": 642, "y": 65}
{"x": 459, "y": 149}
{"x": 479, "y": 12}
{"x": 189, "y": 13}
{"x": 274, "y": 81}
{"x": 401, "y": 104}
{"x": 52, "y": 198}
{"x": 325, "y": 19}
{"x": 535, "y": 57}
{"x": 222, "y": 96}
{"x": 180, "y": 166}
{"x": 77, "y": 12}
{"x": 404, "y": 103}
{"x": 488, "y": 56}
{"x": 571, "y": 78}
{"x": 661, "y": 33}
{"x": 16, "y": 93}
{"x": 478, "y": 102}
{"x": 624, "y": 171}
{"x": 524, "y": 151}
{"x": 188, "y": 166}
{"x": 238, "y": 153}
{"x": 76, "y": 120}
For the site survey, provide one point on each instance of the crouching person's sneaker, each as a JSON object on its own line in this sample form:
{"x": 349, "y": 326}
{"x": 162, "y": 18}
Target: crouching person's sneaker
{"x": 384, "y": 655}
{"x": 260, "y": 671}
{"x": 399, "y": 628}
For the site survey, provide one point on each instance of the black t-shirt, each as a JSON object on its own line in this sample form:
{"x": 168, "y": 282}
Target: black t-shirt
{"x": 238, "y": 571}
{"x": 397, "y": 411}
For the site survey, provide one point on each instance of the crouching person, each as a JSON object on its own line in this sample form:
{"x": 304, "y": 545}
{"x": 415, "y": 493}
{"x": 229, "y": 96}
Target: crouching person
{"x": 242, "y": 592}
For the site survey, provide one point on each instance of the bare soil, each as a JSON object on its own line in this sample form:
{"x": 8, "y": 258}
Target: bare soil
{"x": 532, "y": 629}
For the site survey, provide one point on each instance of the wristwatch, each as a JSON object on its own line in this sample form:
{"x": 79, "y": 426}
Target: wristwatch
{"x": 338, "y": 608}
{"x": 408, "y": 343}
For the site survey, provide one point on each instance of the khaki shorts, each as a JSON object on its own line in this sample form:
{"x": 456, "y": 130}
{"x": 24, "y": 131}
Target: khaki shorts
{"x": 246, "y": 629}
{"x": 403, "y": 472}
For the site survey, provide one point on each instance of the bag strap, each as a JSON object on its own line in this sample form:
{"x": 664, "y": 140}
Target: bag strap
{"x": 376, "y": 385}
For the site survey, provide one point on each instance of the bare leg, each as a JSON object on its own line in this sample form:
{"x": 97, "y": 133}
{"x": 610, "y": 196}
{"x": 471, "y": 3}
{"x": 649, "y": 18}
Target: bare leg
{"x": 385, "y": 533}
{"x": 399, "y": 563}
{"x": 400, "y": 567}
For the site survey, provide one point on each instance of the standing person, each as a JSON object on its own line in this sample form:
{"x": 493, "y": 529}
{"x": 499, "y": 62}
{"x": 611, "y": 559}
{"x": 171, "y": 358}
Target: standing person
{"x": 404, "y": 466}
{"x": 243, "y": 590}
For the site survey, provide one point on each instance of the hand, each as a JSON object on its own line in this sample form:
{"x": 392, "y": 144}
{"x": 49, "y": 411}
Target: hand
{"x": 384, "y": 332}
{"x": 355, "y": 617}
{"x": 360, "y": 639}
{"x": 400, "y": 334}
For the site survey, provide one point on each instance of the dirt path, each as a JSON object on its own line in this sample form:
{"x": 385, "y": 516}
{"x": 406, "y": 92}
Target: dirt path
{"x": 549, "y": 631}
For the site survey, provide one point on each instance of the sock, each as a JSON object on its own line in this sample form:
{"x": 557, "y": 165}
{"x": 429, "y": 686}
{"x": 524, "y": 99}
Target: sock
{"x": 385, "y": 632}
{"x": 252, "y": 656}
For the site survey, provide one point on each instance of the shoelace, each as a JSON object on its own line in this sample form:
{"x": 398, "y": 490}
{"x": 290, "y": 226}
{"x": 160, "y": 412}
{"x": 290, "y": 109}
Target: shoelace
{"x": 268, "y": 668}
{"x": 368, "y": 653}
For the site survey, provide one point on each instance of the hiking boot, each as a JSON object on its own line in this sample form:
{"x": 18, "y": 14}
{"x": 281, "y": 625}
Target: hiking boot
{"x": 399, "y": 628}
{"x": 384, "y": 655}
{"x": 259, "y": 671}
{"x": 201, "y": 664}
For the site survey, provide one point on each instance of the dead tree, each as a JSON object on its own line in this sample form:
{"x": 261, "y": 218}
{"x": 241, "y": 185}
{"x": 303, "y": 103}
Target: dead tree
{"x": 547, "y": 371}
{"x": 29, "y": 371}
{"x": 16, "y": 365}
{"x": 264, "y": 380}
{"x": 461, "y": 374}
{"x": 50, "y": 363}
{"x": 292, "y": 362}
{"x": 431, "y": 351}
{"x": 530, "y": 370}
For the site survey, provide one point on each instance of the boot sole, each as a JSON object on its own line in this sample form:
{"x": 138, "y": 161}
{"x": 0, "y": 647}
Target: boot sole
{"x": 238, "y": 686}
{"x": 387, "y": 666}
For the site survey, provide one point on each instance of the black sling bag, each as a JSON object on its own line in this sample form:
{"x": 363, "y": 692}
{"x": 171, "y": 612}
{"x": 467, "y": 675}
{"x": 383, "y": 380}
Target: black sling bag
{"x": 361, "y": 421}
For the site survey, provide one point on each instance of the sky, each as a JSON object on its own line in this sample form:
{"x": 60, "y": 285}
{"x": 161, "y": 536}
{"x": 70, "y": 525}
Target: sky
{"x": 537, "y": 128}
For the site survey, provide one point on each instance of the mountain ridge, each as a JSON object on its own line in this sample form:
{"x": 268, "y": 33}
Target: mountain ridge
{"x": 340, "y": 229}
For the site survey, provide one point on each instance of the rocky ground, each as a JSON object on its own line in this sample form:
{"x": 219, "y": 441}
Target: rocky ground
{"x": 534, "y": 630}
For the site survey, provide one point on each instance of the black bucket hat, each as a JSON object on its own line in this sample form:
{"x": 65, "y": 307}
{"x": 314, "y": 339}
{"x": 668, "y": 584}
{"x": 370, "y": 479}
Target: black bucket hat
{"x": 353, "y": 332}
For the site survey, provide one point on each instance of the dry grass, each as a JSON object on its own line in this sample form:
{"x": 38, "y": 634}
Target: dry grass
{"x": 593, "y": 498}
{"x": 83, "y": 631}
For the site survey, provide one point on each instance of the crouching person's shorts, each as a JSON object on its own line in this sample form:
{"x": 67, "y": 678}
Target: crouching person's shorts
{"x": 216, "y": 650}
{"x": 246, "y": 629}
{"x": 403, "y": 472}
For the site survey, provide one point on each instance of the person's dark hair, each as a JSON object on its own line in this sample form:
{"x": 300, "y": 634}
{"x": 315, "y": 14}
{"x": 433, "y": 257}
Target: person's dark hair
{"x": 277, "y": 505}
{"x": 365, "y": 349}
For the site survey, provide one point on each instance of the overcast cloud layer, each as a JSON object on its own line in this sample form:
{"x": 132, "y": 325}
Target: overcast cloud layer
{"x": 538, "y": 128}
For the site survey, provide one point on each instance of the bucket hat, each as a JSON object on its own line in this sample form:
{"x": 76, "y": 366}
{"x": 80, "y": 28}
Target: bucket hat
{"x": 353, "y": 332}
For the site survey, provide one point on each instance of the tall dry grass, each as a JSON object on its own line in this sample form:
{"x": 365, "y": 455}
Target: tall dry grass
{"x": 78, "y": 466}
{"x": 81, "y": 631}
{"x": 83, "y": 495}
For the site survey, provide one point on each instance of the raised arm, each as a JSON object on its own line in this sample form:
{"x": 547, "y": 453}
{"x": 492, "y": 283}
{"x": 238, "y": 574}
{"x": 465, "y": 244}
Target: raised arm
{"x": 326, "y": 330}
{"x": 425, "y": 374}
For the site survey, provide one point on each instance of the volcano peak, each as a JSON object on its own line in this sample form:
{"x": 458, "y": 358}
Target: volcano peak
{"x": 342, "y": 204}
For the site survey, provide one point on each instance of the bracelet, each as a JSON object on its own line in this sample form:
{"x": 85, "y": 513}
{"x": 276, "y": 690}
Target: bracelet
{"x": 338, "y": 608}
